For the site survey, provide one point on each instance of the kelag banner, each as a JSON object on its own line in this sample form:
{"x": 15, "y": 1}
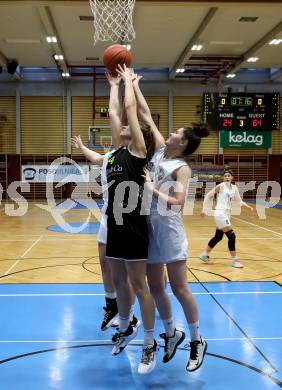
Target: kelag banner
{"x": 245, "y": 139}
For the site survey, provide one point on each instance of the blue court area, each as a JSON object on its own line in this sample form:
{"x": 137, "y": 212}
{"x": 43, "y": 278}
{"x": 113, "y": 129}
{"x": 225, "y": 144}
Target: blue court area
{"x": 51, "y": 339}
{"x": 265, "y": 204}
{"x": 89, "y": 204}
{"x": 76, "y": 227}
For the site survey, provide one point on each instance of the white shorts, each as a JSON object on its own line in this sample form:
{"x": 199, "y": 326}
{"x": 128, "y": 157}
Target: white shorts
{"x": 167, "y": 239}
{"x": 103, "y": 231}
{"x": 222, "y": 219}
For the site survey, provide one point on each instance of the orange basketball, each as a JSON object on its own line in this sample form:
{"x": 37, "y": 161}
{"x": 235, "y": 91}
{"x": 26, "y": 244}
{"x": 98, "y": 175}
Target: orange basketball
{"x": 116, "y": 54}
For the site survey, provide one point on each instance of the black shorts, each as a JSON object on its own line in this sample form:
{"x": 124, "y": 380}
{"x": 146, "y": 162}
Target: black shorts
{"x": 128, "y": 241}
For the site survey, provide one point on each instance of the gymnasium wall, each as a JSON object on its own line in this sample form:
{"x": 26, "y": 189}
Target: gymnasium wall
{"x": 47, "y": 121}
{"x": 82, "y": 115}
{"x": 8, "y": 126}
{"x": 44, "y": 123}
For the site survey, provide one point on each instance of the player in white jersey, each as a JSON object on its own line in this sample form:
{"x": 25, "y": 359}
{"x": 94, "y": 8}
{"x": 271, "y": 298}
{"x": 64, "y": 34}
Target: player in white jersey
{"x": 111, "y": 310}
{"x": 226, "y": 193}
{"x": 168, "y": 244}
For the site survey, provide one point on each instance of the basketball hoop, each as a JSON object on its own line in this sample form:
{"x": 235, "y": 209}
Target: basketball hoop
{"x": 113, "y": 20}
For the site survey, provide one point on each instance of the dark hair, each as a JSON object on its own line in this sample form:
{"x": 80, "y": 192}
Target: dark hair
{"x": 228, "y": 170}
{"x": 193, "y": 134}
{"x": 149, "y": 140}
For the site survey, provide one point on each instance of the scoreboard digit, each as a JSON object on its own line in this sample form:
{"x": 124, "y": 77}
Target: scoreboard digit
{"x": 104, "y": 112}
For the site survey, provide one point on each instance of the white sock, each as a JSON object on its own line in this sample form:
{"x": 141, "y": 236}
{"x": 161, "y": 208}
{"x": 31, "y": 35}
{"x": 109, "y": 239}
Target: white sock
{"x": 123, "y": 324}
{"x": 110, "y": 295}
{"x": 194, "y": 331}
{"x": 234, "y": 258}
{"x": 148, "y": 337}
{"x": 131, "y": 313}
{"x": 169, "y": 326}
{"x": 205, "y": 253}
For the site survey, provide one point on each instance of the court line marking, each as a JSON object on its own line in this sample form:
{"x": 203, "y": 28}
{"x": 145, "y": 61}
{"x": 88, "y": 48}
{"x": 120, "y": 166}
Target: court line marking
{"x": 22, "y": 256}
{"x": 102, "y": 294}
{"x": 134, "y": 341}
{"x": 27, "y": 235}
{"x": 91, "y": 239}
{"x": 237, "y": 325}
{"x": 258, "y": 226}
{"x": 11, "y": 240}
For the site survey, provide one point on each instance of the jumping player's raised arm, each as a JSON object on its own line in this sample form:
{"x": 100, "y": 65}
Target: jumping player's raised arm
{"x": 137, "y": 145}
{"x": 94, "y": 157}
{"x": 115, "y": 109}
{"x": 144, "y": 112}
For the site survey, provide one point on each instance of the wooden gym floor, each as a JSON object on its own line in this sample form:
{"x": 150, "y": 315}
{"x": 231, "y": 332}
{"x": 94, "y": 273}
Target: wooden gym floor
{"x": 32, "y": 254}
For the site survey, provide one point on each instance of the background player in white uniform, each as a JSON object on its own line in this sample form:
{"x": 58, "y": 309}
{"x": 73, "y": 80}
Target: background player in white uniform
{"x": 226, "y": 193}
{"x": 168, "y": 244}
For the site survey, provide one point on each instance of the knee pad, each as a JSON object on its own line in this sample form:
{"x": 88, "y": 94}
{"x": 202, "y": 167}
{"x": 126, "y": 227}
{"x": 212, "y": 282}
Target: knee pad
{"x": 231, "y": 240}
{"x": 217, "y": 237}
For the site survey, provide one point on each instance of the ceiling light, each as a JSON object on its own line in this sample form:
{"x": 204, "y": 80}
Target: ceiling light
{"x": 231, "y": 75}
{"x": 180, "y": 70}
{"x": 128, "y": 47}
{"x": 58, "y": 57}
{"x": 51, "y": 39}
{"x": 252, "y": 59}
{"x": 197, "y": 47}
{"x": 66, "y": 74}
{"x": 275, "y": 42}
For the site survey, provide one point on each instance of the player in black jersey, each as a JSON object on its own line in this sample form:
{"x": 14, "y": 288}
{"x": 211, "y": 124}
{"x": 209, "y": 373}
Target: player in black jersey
{"x": 127, "y": 240}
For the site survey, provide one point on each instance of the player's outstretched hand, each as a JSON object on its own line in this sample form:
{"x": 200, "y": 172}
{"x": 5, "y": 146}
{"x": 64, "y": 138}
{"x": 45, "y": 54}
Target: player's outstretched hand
{"x": 124, "y": 72}
{"x": 77, "y": 142}
{"x": 113, "y": 80}
{"x": 135, "y": 77}
{"x": 147, "y": 176}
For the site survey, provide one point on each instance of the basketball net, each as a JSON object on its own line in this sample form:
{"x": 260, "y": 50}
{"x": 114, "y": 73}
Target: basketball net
{"x": 113, "y": 20}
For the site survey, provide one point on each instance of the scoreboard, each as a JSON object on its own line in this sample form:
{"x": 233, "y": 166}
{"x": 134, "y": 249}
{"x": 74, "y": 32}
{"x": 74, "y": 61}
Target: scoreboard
{"x": 242, "y": 111}
{"x": 104, "y": 112}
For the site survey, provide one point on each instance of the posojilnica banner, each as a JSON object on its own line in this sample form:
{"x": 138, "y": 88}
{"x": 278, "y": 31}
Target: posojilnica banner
{"x": 245, "y": 139}
{"x": 38, "y": 173}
